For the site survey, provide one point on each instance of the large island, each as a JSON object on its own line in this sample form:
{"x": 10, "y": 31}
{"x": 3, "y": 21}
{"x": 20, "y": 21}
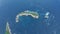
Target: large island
{"x": 26, "y": 13}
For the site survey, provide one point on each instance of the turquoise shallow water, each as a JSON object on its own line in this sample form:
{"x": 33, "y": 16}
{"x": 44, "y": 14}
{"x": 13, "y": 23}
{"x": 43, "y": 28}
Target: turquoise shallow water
{"x": 10, "y": 8}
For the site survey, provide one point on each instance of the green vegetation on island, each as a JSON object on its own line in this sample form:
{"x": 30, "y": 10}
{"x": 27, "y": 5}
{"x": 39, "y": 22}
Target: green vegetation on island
{"x": 8, "y": 31}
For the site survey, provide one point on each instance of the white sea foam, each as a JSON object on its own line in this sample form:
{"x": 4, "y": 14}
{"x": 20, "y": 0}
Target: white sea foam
{"x": 47, "y": 15}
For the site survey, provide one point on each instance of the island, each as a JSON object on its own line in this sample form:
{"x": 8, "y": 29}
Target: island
{"x": 8, "y": 30}
{"x": 26, "y": 13}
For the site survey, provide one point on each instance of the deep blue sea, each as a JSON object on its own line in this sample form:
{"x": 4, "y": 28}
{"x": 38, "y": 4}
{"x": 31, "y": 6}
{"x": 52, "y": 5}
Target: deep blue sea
{"x": 28, "y": 25}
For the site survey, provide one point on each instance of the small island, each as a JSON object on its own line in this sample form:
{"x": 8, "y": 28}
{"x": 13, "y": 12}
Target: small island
{"x": 8, "y": 30}
{"x": 26, "y": 13}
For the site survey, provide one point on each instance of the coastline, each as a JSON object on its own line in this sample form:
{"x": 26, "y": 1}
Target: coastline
{"x": 26, "y": 13}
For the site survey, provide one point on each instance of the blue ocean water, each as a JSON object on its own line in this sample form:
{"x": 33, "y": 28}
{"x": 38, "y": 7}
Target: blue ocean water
{"x": 10, "y": 8}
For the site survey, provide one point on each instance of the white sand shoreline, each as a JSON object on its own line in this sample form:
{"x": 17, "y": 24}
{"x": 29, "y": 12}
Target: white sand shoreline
{"x": 26, "y": 13}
